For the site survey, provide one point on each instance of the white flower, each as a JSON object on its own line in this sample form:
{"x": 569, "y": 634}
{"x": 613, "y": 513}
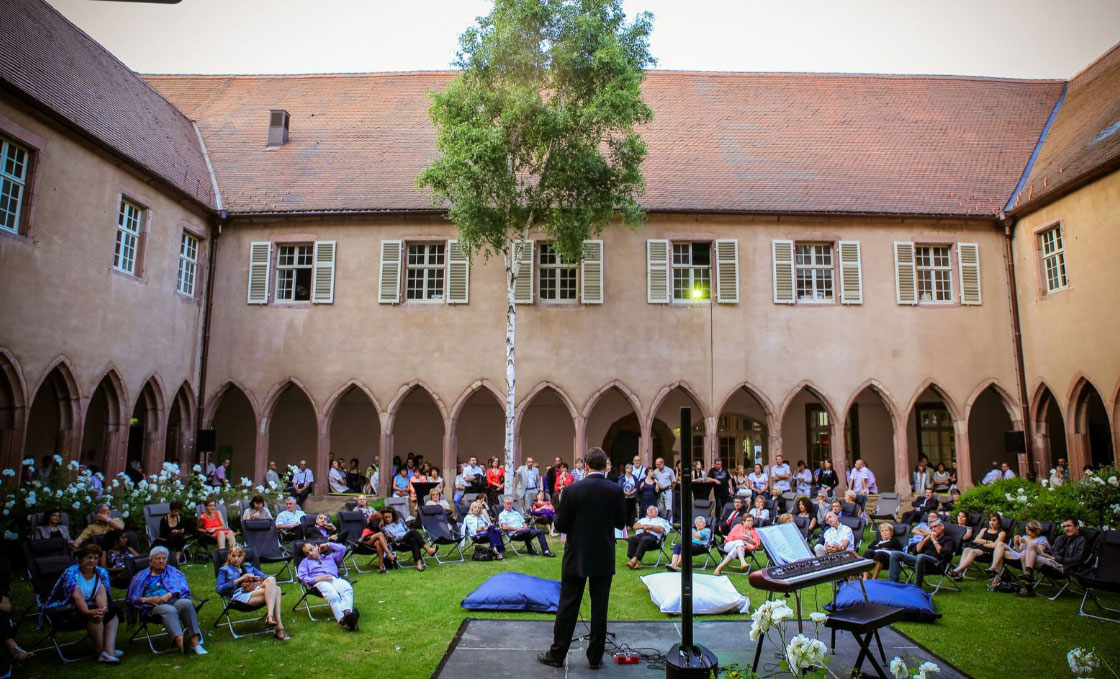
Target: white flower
{"x": 77, "y": 505}
{"x": 1112, "y": 481}
{"x": 143, "y": 484}
{"x": 260, "y": 488}
{"x": 926, "y": 668}
{"x": 898, "y": 668}
{"x": 29, "y": 501}
{"x": 58, "y": 493}
{"x": 73, "y": 465}
{"x": 197, "y": 468}
{"x": 1097, "y": 479}
{"x": 1082, "y": 661}
{"x": 1008, "y": 496}
{"x": 1045, "y": 483}
{"x": 116, "y": 483}
{"x": 57, "y": 459}
{"x": 246, "y": 482}
{"x": 124, "y": 514}
{"x": 8, "y": 472}
{"x": 28, "y": 462}
{"x": 818, "y": 617}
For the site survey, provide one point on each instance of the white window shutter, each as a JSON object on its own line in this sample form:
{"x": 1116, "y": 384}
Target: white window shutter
{"x": 260, "y": 257}
{"x": 727, "y": 271}
{"x": 523, "y": 288}
{"x": 591, "y": 272}
{"x": 657, "y": 271}
{"x": 389, "y": 279}
{"x": 458, "y": 274}
{"x": 322, "y": 280}
{"x": 851, "y": 273}
{"x": 783, "y": 271}
{"x": 905, "y": 277}
{"x": 968, "y": 257}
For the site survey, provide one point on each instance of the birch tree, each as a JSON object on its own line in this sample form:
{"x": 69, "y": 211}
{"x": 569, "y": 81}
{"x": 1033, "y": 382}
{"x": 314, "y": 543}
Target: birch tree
{"x": 536, "y": 133}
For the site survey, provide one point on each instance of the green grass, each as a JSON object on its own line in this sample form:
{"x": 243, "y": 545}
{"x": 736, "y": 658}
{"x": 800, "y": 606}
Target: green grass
{"x": 409, "y": 618}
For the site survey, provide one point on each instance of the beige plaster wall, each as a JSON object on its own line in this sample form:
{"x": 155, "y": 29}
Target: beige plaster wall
{"x": 1071, "y": 334}
{"x": 62, "y": 297}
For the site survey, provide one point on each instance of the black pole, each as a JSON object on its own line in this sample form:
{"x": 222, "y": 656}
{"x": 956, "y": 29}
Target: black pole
{"x": 686, "y": 528}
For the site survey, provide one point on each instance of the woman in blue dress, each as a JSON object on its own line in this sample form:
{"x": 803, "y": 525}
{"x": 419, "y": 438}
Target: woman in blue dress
{"x": 82, "y": 594}
{"x": 245, "y": 584}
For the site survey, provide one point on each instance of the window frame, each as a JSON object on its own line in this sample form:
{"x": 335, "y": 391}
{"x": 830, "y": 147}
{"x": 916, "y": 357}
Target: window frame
{"x": 919, "y": 410}
{"x": 933, "y": 268}
{"x": 143, "y": 223}
{"x": 1058, "y": 255}
{"x": 812, "y": 459}
{"x": 33, "y": 143}
{"x": 277, "y": 268}
{"x": 555, "y": 267}
{"x": 24, "y": 182}
{"x": 797, "y": 268}
{"x": 407, "y": 266}
{"x": 197, "y": 263}
{"x": 692, "y": 268}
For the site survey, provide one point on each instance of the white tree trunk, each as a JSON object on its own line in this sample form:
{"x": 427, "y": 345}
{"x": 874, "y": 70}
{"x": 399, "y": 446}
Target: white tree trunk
{"x": 513, "y": 264}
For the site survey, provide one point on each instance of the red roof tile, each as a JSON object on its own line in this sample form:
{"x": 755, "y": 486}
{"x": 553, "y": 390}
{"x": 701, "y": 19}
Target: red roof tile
{"x": 53, "y": 62}
{"x": 1084, "y": 139}
{"x": 735, "y": 142}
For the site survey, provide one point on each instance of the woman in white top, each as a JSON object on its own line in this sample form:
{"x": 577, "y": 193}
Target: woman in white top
{"x": 337, "y": 478}
{"x": 742, "y": 482}
{"x": 759, "y": 481}
{"x": 760, "y": 513}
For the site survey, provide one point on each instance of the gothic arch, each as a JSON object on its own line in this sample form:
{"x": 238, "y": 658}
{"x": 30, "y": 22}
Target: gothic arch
{"x": 278, "y": 390}
{"x": 332, "y": 402}
{"x": 807, "y": 385}
{"x": 876, "y": 386}
{"x": 1038, "y": 406}
{"x": 1004, "y": 396}
{"x": 666, "y": 390}
{"x": 950, "y": 404}
{"x": 477, "y": 386}
{"x": 756, "y": 394}
{"x": 626, "y": 392}
{"x": 395, "y": 404}
{"x": 541, "y": 386}
{"x": 215, "y": 400}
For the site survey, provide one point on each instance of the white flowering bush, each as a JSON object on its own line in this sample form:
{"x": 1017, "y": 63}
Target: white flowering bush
{"x": 901, "y": 669}
{"x": 1084, "y": 661}
{"x": 1094, "y": 500}
{"x": 803, "y": 656}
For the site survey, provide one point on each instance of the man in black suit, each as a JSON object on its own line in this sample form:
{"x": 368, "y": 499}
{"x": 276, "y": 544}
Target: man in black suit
{"x": 732, "y": 514}
{"x": 922, "y": 506}
{"x": 590, "y": 511}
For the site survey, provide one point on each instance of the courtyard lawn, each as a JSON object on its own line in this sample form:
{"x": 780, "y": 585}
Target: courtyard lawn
{"x": 409, "y": 618}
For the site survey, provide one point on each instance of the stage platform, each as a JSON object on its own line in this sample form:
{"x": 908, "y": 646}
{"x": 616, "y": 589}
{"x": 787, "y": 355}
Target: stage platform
{"x": 508, "y": 648}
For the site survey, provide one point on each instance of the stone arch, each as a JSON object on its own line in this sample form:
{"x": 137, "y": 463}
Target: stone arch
{"x": 420, "y": 434}
{"x": 341, "y": 392}
{"x": 809, "y": 433}
{"x": 875, "y": 431}
{"x": 736, "y": 426}
{"x": 352, "y": 425}
{"x": 483, "y": 430}
{"x": 179, "y": 428}
{"x": 278, "y": 390}
{"x": 13, "y": 411}
{"x": 290, "y": 426}
{"x": 394, "y": 405}
{"x": 755, "y": 393}
{"x": 105, "y": 423}
{"x": 233, "y": 414}
{"x": 1089, "y": 427}
{"x": 477, "y": 386}
{"x": 1005, "y": 397}
{"x": 146, "y": 437}
{"x": 536, "y": 439}
{"x": 951, "y": 435}
{"x": 1048, "y": 430}
{"x": 620, "y": 435}
{"x": 54, "y": 414}
{"x": 213, "y": 403}
{"x": 951, "y": 405}
{"x": 700, "y": 423}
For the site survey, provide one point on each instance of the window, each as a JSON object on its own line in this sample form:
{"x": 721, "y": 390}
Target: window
{"x": 128, "y": 236}
{"x": 1054, "y": 258}
{"x": 14, "y": 162}
{"x": 692, "y": 271}
{"x": 424, "y": 272}
{"x": 557, "y": 277}
{"x": 188, "y": 264}
{"x": 813, "y": 265}
{"x": 934, "y": 273}
{"x": 936, "y": 439}
{"x": 293, "y": 273}
{"x": 818, "y": 434}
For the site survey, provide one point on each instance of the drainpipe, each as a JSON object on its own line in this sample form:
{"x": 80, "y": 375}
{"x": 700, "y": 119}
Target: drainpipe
{"x": 1017, "y": 337}
{"x": 216, "y": 225}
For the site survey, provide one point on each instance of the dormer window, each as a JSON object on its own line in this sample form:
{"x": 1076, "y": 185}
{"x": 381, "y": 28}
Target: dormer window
{"x": 277, "y": 128}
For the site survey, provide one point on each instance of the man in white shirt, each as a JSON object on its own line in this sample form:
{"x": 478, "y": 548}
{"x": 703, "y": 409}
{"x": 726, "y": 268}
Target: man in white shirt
{"x": 639, "y": 468}
{"x": 272, "y": 476}
{"x": 287, "y": 521}
{"x": 665, "y": 477}
{"x": 528, "y": 480}
{"x": 837, "y": 537}
{"x": 303, "y": 481}
{"x": 649, "y": 531}
{"x": 863, "y": 479}
{"x": 513, "y": 523}
{"x": 992, "y": 476}
{"x": 1006, "y": 469}
{"x": 473, "y": 475}
{"x": 779, "y": 474}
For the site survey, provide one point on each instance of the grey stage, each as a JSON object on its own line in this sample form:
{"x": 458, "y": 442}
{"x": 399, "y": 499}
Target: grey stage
{"x": 508, "y": 648}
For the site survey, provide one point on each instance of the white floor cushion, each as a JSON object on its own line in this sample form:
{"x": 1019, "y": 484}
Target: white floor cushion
{"x": 711, "y": 594}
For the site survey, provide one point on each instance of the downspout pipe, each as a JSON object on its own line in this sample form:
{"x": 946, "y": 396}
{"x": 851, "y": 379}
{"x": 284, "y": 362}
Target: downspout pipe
{"x": 216, "y": 225}
{"x": 1008, "y": 225}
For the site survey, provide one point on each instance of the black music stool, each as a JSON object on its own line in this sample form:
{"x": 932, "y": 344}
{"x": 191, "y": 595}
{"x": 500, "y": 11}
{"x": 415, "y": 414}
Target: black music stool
{"x": 864, "y": 621}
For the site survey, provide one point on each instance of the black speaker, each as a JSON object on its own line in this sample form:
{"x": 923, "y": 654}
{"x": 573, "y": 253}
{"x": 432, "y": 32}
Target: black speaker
{"x": 207, "y": 440}
{"x": 1014, "y": 442}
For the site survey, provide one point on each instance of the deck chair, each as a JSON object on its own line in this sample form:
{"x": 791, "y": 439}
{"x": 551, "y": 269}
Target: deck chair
{"x": 402, "y": 507}
{"x": 351, "y": 524}
{"x": 152, "y": 516}
{"x": 941, "y": 571}
{"x": 1103, "y": 577}
{"x": 39, "y": 549}
{"x": 789, "y": 498}
{"x": 305, "y": 591}
{"x": 44, "y": 572}
{"x": 1064, "y": 580}
{"x": 857, "y": 526}
{"x": 705, "y": 508}
{"x": 263, "y": 539}
{"x": 901, "y": 531}
{"x": 433, "y": 519}
{"x": 137, "y": 564}
{"x": 37, "y": 518}
{"x": 218, "y": 556}
{"x": 526, "y": 546}
{"x": 886, "y": 509}
{"x": 205, "y": 542}
{"x": 802, "y": 523}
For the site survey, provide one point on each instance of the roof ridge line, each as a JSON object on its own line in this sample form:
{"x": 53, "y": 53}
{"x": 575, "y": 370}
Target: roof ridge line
{"x": 1013, "y": 199}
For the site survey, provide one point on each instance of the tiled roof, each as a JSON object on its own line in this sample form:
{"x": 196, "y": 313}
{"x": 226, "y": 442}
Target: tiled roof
{"x": 54, "y": 63}
{"x": 735, "y": 142}
{"x": 1084, "y": 138}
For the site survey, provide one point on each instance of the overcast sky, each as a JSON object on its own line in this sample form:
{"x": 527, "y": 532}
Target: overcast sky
{"x": 1006, "y": 38}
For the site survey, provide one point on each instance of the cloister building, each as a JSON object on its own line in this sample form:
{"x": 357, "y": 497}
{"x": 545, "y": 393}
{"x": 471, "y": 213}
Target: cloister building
{"x": 833, "y": 266}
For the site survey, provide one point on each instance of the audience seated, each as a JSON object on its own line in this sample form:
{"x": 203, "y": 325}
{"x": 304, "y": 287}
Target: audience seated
{"x": 513, "y": 523}
{"x": 435, "y": 497}
{"x": 1067, "y": 552}
{"x": 822, "y": 506}
{"x": 922, "y": 505}
{"x": 544, "y": 512}
{"x": 837, "y": 537}
{"x": 243, "y": 583}
{"x": 743, "y": 538}
{"x": 102, "y": 524}
{"x": 172, "y": 530}
{"x": 373, "y": 538}
{"x": 82, "y": 594}
{"x": 336, "y": 478}
{"x": 701, "y": 538}
{"x": 361, "y": 504}
{"x": 983, "y": 544}
{"x": 319, "y": 570}
{"x": 401, "y": 536}
{"x": 1034, "y": 540}
{"x": 7, "y": 629}
{"x": 287, "y": 521}
{"x": 256, "y": 509}
{"x": 760, "y": 513}
{"x": 921, "y": 530}
{"x": 962, "y": 520}
{"x": 880, "y": 550}
{"x": 477, "y": 524}
{"x": 933, "y": 552}
{"x": 160, "y": 592}
{"x": 212, "y": 523}
{"x": 733, "y": 513}
{"x": 324, "y": 529}
{"x": 649, "y": 531}
{"x": 852, "y": 506}
{"x": 808, "y": 512}
{"x": 114, "y": 557}
{"x": 51, "y": 527}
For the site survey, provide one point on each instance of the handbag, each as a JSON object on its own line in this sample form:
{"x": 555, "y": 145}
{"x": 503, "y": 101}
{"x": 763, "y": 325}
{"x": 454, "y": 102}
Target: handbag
{"x": 482, "y": 553}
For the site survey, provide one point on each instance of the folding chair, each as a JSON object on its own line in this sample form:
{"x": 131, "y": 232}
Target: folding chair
{"x": 941, "y": 571}
{"x": 37, "y": 518}
{"x": 751, "y": 556}
{"x": 113, "y": 514}
{"x": 204, "y": 540}
{"x": 263, "y": 539}
{"x": 402, "y": 508}
{"x": 44, "y": 572}
{"x": 152, "y": 516}
{"x": 42, "y": 549}
{"x": 705, "y": 508}
{"x": 789, "y": 498}
{"x": 307, "y": 529}
{"x": 1054, "y": 577}
{"x": 802, "y": 523}
{"x": 857, "y": 526}
{"x": 886, "y": 509}
{"x": 1104, "y": 576}
{"x": 434, "y": 521}
{"x": 137, "y": 564}
{"x": 228, "y": 604}
{"x": 305, "y": 591}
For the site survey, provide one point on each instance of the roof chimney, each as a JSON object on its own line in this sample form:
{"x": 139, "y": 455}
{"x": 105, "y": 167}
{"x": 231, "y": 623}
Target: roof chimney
{"x": 277, "y": 128}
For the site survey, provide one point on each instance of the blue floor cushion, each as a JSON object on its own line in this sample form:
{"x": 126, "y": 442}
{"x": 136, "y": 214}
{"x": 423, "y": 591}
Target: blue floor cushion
{"x": 917, "y": 603}
{"x": 514, "y": 592}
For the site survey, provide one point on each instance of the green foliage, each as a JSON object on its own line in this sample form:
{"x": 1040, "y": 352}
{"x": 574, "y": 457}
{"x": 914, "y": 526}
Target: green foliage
{"x": 1099, "y": 495}
{"x": 1007, "y": 497}
{"x": 537, "y": 131}
{"x": 1095, "y": 501}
